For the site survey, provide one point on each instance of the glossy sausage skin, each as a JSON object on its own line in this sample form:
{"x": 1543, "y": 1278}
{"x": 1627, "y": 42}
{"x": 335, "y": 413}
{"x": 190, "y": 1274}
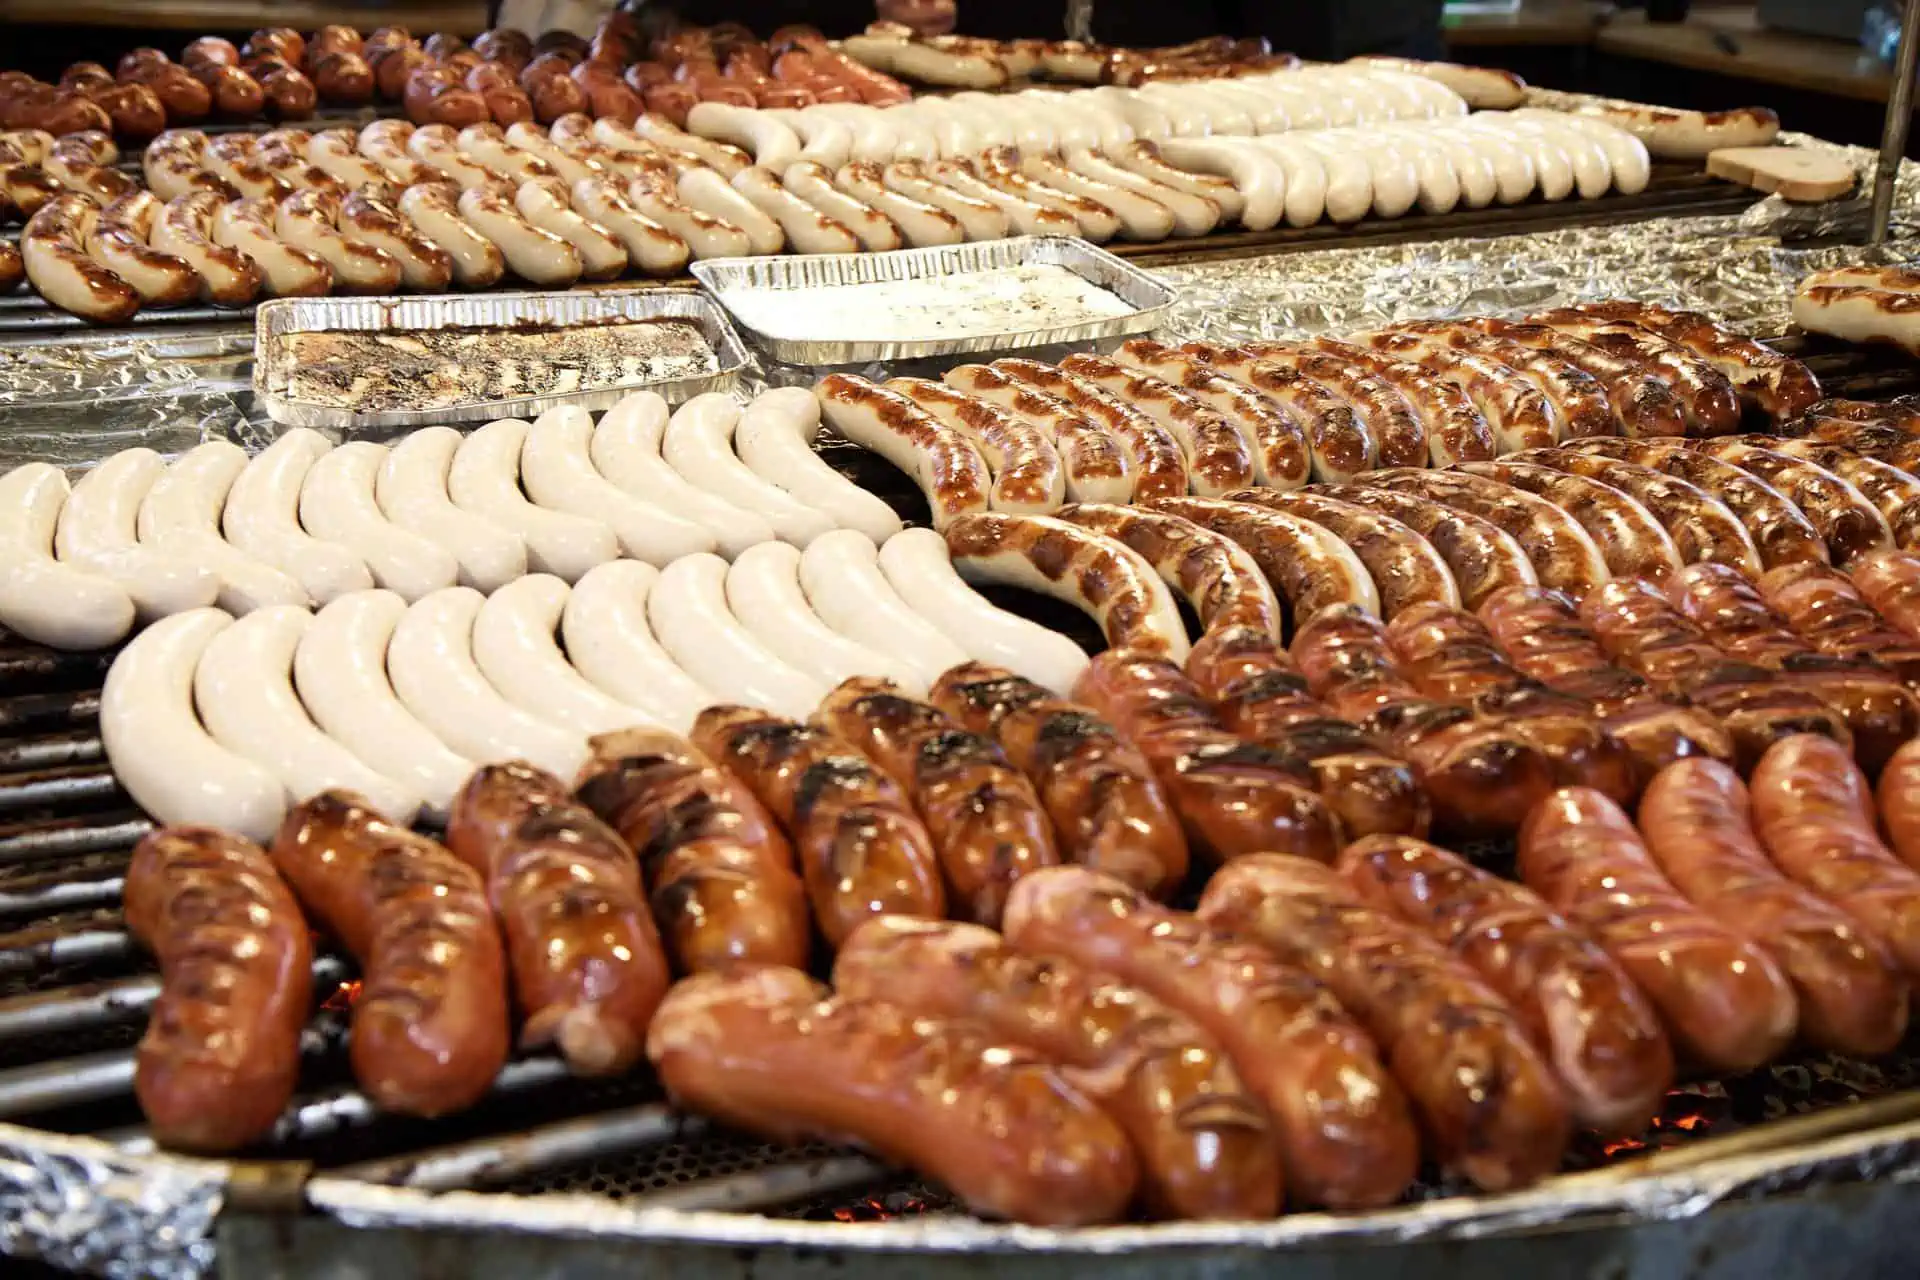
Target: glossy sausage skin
{"x": 1345, "y": 1134}
{"x": 1890, "y": 581}
{"x": 985, "y": 819}
{"x": 1486, "y": 1099}
{"x": 1696, "y": 818}
{"x": 430, "y": 1027}
{"x": 1233, "y": 797}
{"x": 588, "y": 969}
{"x": 1725, "y": 1003}
{"x": 719, "y": 872}
{"x": 1826, "y": 609}
{"x": 862, "y": 851}
{"x": 221, "y": 1054}
{"x": 1108, "y": 809}
{"x": 1205, "y": 1145}
{"x": 764, "y": 1049}
{"x": 1814, "y": 813}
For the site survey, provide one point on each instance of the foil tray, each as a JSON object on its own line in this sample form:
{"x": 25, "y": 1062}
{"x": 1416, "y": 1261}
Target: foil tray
{"x": 285, "y": 316}
{"x": 732, "y": 278}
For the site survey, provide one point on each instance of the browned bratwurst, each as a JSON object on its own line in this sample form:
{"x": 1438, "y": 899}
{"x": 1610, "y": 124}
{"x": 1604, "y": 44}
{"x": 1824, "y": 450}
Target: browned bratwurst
{"x": 719, "y": 871}
{"x": 430, "y": 1029}
{"x": 221, "y": 1054}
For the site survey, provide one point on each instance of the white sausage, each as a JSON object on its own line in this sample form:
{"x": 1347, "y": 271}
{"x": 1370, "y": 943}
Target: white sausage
{"x": 477, "y": 261}
{"x": 571, "y": 166}
{"x": 536, "y": 256}
{"x": 1145, "y": 159}
{"x": 775, "y": 439}
{"x": 824, "y": 140}
{"x": 304, "y": 220}
{"x": 980, "y": 219}
{"x": 98, "y": 533}
{"x": 1306, "y": 200}
{"x": 806, "y": 228}
{"x": 611, "y": 643}
{"x": 340, "y": 671}
{"x": 923, "y": 225}
{"x": 657, "y": 198}
{"x": 1140, "y": 217}
{"x": 602, "y": 257}
{"x": 811, "y": 183}
{"x": 558, "y": 473}
{"x": 698, "y": 443}
{"x": 337, "y": 504}
{"x": 154, "y": 740}
{"x": 655, "y": 249}
{"x": 180, "y": 516}
{"x": 690, "y": 617}
{"x": 625, "y": 448}
{"x": 243, "y": 688}
{"x": 763, "y": 590}
{"x": 659, "y": 132}
{"x": 412, "y": 490}
{"x": 514, "y": 647}
{"x": 707, "y": 191}
{"x": 841, "y": 576}
{"x": 438, "y": 146}
{"x": 246, "y": 226}
{"x": 40, "y": 598}
{"x": 771, "y": 143}
{"x": 262, "y": 519}
{"x": 1349, "y": 195}
{"x": 1025, "y": 217}
{"x": 486, "y": 145}
{"x": 485, "y": 480}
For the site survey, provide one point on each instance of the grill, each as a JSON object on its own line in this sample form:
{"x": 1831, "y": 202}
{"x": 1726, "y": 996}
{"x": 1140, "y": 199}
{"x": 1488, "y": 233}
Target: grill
{"x": 74, "y": 992}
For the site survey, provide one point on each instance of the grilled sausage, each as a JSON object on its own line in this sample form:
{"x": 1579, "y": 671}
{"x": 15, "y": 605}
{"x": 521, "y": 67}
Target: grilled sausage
{"x": 1826, "y": 609}
{"x": 1697, "y": 821}
{"x": 1282, "y": 458}
{"x": 1455, "y": 429}
{"x": 862, "y": 851}
{"x": 1219, "y": 456}
{"x": 1206, "y": 1147}
{"x": 1564, "y": 555}
{"x": 1399, "y": 431}
{"x": 1576, "y": 401}
{"x": 1725, "y": 1003}
{"x": 1345, "y": 1135}
{"x": 1642, "y": 404}
{"x": 1481, "y": 558}
{"x": 1158, "y": 463}
{"x": 1233, "y": 797}
{"x": 761, "y": 1049}
{"x": 1310, "y": 567}
{"x": 587, "y": 966}
{"x": 1595, "y": 1027}
{"x": 1847, "y": 519}
{"x": 1702, "y": 526}
{"x": 1406, "y": 569}
{"x": 53, "y": 251}
{"x": 984, "y": 816}
{"x": 1108, "y": 810}
{"x": 1342, "y": 442}
{"x": 430, "y": 1026}
{"x": 1711, "y": 405}
{"x": 1485, "y": 1097}
{"x": 1634, "y": 543}
{"x": 221, "y": 1054}
{"x": 1776, "y": 385}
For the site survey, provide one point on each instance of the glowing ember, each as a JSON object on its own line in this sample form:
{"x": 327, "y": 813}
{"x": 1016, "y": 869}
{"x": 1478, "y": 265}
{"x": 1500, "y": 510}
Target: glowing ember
{"x": 1622, "y": 1146}
{"x": 343, "y": 997}
{"x": 871, "y": 1209}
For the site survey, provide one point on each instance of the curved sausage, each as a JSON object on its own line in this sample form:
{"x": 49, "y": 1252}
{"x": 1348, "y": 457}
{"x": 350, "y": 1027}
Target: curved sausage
{"x": 1702, "y": 526}
{"x": 1481, "y": 558}
{"x": 1826, "y": 609}
{"x": 1893, "y": 491}
{"x": 1455, "y": 429}
{"x": 1642, "y": 404}
{"x": 944, "y": 463}
{"x": 1846, "y": 519}
{"x": 1097, "y": 468}
{"x": 1777, "y": 385}
{"x": 1564, "y": 555}
{"x": 1343, "y": 444}
{"x": 1306, "y": 563}
{"x": 1398, "y": 431}
{"x": 1282, "y": 457}
{"x": 1518, "y": 412}
{"x": 1219, "y": 456}
{"x": 1405, "y": 567}
{"x": 1159, "y": 464}
{"x": 1027, "y": 475}
{"x": 1635, "y": 544}
{"x": 53, "y": 250}
{"x": 1711, "y": 405}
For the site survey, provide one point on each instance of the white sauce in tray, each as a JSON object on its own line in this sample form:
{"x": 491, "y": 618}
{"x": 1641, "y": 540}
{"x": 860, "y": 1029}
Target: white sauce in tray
{"x": 976, "y": 304}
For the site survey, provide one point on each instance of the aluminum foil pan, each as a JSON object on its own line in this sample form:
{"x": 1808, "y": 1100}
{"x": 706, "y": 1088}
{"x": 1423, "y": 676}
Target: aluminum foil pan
{"x": 283, "y": 316}
{"x": 734, "y": 280}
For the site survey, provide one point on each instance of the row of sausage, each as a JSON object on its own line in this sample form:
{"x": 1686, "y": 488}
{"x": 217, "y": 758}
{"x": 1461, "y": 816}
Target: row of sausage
{"x": 1327, "y": 1016}
{"x": 969, "y": 62}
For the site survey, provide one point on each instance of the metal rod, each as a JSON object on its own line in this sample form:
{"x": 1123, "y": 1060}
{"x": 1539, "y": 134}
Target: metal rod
{"x": 59, "y": 787}
{"x": 47, "y": 1086}
{"x": 51, "y": 753}
{"x": 782, "y": 1184}
{"x": 39, "y": 843}
{"x": 504, "y": 1159}
{"x": 105, "y": 1004}
{"x": 72, "y": 948}
{"x": 1893, "y": 137}
{"x": 64, "y": 895}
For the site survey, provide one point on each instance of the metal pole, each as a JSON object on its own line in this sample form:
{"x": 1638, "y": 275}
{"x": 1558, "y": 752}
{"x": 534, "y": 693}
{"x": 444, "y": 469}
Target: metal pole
{"x": 1893, "y": 140}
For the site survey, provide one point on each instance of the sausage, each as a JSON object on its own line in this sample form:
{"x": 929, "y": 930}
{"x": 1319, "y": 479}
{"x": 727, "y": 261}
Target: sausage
{"x": 983, "y": 815}
{"x": 1232, "y": 797}
{"x": 181, "y": 94}
{"x": 1515, "y": 408}
{"x": 761, "y": 1049}
{"x": 53, "y": 250}
{"x": 719, "y": 871}
{"x": 221, "y": 1054}
{"x": 945, "y": 464}
{"x": 1776, "y": 385}
{"x": 1847, "y": 520}
{"x": 1702, "y": 526}
{"x": 436, "y": 95}
{"x": 1485, "y": 1097}
{"x": 1454, "y": 427}
{"x": 119, "y": 243}
{"x": 288, "y": 93}
{"x": 1723, "y": 1000}
{"x": 1097, "y": 468}
{"x": 1342, "y": 443}
{"x": 1711, "y": 406}
{"x": 136, "y": 110}
{"x": 236, "y": 94}
{"x": 1448, "y": 654}
{"x": 587, "y": 966}
{"x": 862, "y": 851}
{"x": 13, "y": 269}
{"x": 368, "y": 220}
{"x": 1219, "y": 456}
{"x": 1480, "y": 557}
{"x": 1696, "y": 818}
{"x": 1108, "y": 809}
{"x": 1825, "y": 608}
{"x": 1635, "y": 544}
{"x": 1158, "y": 463}
{"x": 1313, "y": 569}
{"x": 1541, "y": 632}
{"x": 394, "y": 65}
{"x": 1895, "y": 493}
{"x": 1346, "y": 1138}
{"x": 429, "y": 1028}
{"x": 1398, "y": 431}
{"x": 1781, "y": 532}
{"x": 1479, "y": 776}
{"x": 1814, "y": 813}
{"x": 1027, "y": 475}
{"x": 1642, "y": 404}
{"x": 1581, "y": 1009}
{"x": 1730, "y": 610}
{"x": 1205, "y": 1145}
{"x": 435, "y": 213}
{"x": 306, "y": 220}
{"x": 1564, "y": 555}
{"x": 1405, "y": 567}
{"x": 1281, "y": 455}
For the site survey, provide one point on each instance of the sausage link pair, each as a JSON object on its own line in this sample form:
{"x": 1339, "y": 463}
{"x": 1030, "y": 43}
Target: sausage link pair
{"x": 1712, "y": 408}
{"x": 1725, "y": 1003}
{"x": 1576, "y": 402}
{"x": 983, "y": 815}
{"x": 221, "y": 1054}
{"x": 1205, "y": 1145}
{"x": 1827, "y": 610}
{"x": 862, "y": 850}
{"x": 587, "y": 966}
{"x": 1814, "y": 813}
{"x": 1890, "y": 581}
{"x": 1484, "y": 1096}
{"x": 1563, "y": 554}
{"x": 1702, "y": 526}
{"x": 1880, "y": 713}
{"x": 1541, "y": 632}
{"x": 1480, "y": 776}
{"x": 1634, "y": 543}
{"x": 1847, "y": 520}
{"x": 1481, "y": 557}
{"x": 1591, "y": 1021}
{"x": 1642, "y": 631}
{"x": 1456, "y": 430}
{"x": 429, "y": 1030}
{"x": 1108, "y": 809}
{"x": 1233, "y": 797}
{"x": 765, "y": 1049}
{"x": 719, "y": 871}
{"x": 1346, "y": 1138}
{"x": 1305, "y": 563}
{"x": 1776, "y": 385}
{"x": 1642, "y": 404}
{"x": 1406, "y": 569}
{"x": 1892, "y": 491}
{"x": 1696, "y": 818}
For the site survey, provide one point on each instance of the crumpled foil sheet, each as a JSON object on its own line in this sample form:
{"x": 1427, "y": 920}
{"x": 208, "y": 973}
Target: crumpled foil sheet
{"x": 82, "y": 1205}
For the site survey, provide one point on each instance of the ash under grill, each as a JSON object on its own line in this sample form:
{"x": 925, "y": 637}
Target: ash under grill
{"x": 75, "y": 992}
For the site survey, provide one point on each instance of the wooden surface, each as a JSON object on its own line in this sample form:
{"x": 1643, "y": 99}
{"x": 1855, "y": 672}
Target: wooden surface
{"x": 462, "y": 17}
{"x": 1539, "y": 22}
{"x": 1730, "y": 42}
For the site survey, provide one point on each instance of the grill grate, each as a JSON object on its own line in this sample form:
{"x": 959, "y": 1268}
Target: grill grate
{"x": 74, "y": 993}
